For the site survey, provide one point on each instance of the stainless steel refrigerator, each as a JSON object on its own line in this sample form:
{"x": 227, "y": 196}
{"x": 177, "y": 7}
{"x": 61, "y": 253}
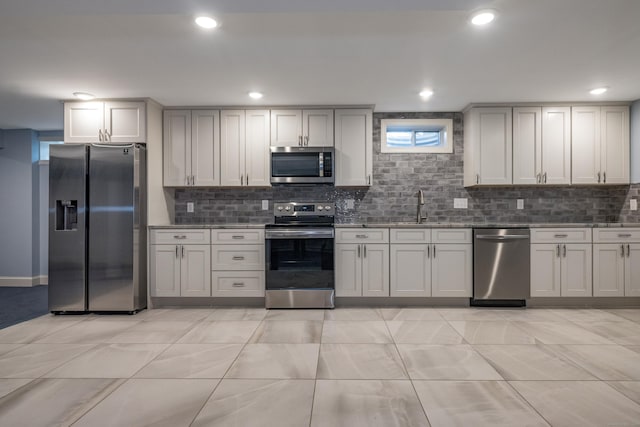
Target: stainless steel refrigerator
{"x": 97, "y": 228}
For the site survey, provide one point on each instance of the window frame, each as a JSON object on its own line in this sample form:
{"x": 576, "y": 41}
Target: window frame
{"x": 444, "y": 126}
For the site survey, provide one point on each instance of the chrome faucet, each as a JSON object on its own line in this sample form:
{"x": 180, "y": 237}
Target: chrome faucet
{"x": 420, "y": 218}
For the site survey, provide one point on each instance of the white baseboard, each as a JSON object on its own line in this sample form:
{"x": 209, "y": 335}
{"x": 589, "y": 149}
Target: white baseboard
{"x": 23, "y": 282}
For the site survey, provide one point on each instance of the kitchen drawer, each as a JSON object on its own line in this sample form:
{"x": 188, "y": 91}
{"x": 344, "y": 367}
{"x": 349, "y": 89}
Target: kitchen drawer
{"x": 616, "y": 235}
{"x": 560, "y": 235}
{"x": 237, "y": 283}
{"x": 237, "y": 257}
{"x": 177, "y": 235}
{"x": 410, "y": 235}
{"x": 237, "y": 237}
{"x": 362, "y": 235}
{"x": 451, "y": 235}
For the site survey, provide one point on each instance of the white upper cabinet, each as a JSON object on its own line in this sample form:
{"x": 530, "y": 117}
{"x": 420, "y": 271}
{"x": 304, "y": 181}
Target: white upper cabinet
{"x": 305, "y": 128}
{"x": 105, "y": 122}
{"x": 354, "y": 147}
{"x": 191, "y": 148}
{"x": 600, "y": 138}
{"x": 527, "y": 145}
{"x": 556, "y": 145}
{"x": 244, "y": 148}
{"x": 488, "y": 146}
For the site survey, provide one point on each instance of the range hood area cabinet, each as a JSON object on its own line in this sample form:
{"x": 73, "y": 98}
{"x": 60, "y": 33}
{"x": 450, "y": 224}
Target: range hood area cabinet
{"x": 304, "y": 128}
{"x": 547, "y": 145}
{"x": 191, "y": 148}
{"x": 117, "y": 122}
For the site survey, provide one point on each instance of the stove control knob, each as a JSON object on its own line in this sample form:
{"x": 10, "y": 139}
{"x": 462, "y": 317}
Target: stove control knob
{"x": 280, "y": 208}
{"x": 288, "y": 208}
{"x": 327, "y": 208}
{"x": 320, "y": 208}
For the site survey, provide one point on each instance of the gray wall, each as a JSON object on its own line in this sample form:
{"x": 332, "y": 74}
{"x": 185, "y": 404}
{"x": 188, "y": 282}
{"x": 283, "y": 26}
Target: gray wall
{"x": 392, "y": 197}
{"x": 19, "y": 223}
{"x": 635, "y": 142}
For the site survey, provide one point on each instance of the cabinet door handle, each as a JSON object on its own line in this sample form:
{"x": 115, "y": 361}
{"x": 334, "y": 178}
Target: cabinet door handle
{"x": 477, "y": 178}
{"x": 241, "y": 179}
{"x": 622, "y": 247}
{"x": 247, "y": 179}
{"x": 300, "y": 140}
{"x": 176, "y": 251}
{"x": 434, "y": 251}
{"x": 558, "y": 251}
{"x": 238, "y": 285}
{"x": 100, "y": 137}
{"x": 628, "y": 251}
{"x": 237, "y": 237}
{"x": 538, "y": 178}
{"x": 306, "y": 140}
{"x": 564, "y": 251}
{"x": 182, "y": 251}
{"x": 560, "y": 236}
{"x": 358, "y": 251}
{"x": 362, "y": 236}
{"x": 237, "y": 258}
{"x": 107, "y": 135}
{"x": 428, "y": 251}
{"x": 364, "y": 251}
{"x": 180, "y": 237}
{"x": 604, "y": 177}
{"x": 545, "y": 177}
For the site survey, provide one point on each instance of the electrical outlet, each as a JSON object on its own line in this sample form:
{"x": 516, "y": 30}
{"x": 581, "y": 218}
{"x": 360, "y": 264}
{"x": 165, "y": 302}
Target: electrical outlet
{"x": 460, "y": 203}
{"x": 633, "y": 204}
{"x": 349, "y": 203}
{"x": 265, "y": 205}
{"x": 520, "y": 204}
{"x": 191, "y": 207}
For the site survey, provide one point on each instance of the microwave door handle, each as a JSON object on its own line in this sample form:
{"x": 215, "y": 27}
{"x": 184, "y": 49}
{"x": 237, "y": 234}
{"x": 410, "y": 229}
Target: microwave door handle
{"x": 321, "y": 163}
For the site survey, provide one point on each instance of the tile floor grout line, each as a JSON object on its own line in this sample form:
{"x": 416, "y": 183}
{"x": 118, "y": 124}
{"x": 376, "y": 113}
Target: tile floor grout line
{"x": 315, "y": 380}
{"x": 122, "y": 382}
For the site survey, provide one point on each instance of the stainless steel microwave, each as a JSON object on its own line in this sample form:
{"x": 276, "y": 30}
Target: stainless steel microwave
{"x": 302, "y": 165}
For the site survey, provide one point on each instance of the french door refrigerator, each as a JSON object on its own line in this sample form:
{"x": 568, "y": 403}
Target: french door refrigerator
{"x": 97, "y": 228}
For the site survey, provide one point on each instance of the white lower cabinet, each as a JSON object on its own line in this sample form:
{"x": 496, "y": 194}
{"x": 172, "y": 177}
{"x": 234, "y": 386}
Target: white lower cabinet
{"x": 362, "y": 269}
{"x": 237, "y": 263}
{"x": 561, "y": 270}
{"x": 434, "y": 263}
{"x": 616, "y": 262}
{"x": 180, "y": 263}
{"x": 180, "y": 270}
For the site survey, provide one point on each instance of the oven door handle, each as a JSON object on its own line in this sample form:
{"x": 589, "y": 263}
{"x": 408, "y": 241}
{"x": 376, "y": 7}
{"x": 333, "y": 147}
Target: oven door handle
{"x": 307, "y": 233}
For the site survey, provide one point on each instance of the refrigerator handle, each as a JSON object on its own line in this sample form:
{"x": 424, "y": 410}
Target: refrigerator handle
{"x": 114, "y": 145}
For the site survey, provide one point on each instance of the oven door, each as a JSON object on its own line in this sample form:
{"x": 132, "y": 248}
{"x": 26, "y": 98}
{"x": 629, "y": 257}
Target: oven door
{"x": 299, "y": 258}
{"x": 302, "y": 165}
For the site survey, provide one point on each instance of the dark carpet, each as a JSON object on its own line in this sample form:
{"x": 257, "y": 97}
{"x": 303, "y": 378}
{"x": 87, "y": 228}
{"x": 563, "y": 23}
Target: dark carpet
{"x": 20, "y": 304}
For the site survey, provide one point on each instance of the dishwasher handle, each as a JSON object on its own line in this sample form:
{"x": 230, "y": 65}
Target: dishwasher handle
{"x": 501, "y": 238}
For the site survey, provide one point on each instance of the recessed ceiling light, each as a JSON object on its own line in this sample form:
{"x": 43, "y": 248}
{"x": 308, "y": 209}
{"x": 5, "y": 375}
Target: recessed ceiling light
{"x": 206, "y": 22}
{"x": 598, "y": 91}
{"x": 84, "y": 96}
{"x": 255, "y": 95}
{"x": 483, "y": 17}
{"x": 426, "y": 93}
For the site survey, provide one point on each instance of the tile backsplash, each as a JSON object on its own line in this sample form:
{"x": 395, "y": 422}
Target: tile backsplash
{"x": 396, "y": 180}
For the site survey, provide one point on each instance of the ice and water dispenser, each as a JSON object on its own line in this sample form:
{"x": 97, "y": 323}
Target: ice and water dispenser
{"x": 66, "y": 215}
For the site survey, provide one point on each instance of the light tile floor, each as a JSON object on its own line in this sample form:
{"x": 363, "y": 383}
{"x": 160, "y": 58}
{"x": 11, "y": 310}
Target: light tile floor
{"x": 343, "y": 367}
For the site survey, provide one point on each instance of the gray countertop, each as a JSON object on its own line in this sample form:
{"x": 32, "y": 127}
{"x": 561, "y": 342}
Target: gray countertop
{"x": 414, "y": 225}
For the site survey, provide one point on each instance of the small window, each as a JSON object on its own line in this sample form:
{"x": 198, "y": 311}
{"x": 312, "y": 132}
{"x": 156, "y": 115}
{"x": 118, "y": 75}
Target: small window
{"x": 44, "y": 149}
{"x": 417, "y": 136}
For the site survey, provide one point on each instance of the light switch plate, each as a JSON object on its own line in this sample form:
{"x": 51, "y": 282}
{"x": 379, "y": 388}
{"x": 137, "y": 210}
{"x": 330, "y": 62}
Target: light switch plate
{"x": 460, "y": 203}
{"x": 520, "y": 204}
{"x": 265, "y": 205}
{"x": 190, "y": 207}
{"x": 633, "y": 204}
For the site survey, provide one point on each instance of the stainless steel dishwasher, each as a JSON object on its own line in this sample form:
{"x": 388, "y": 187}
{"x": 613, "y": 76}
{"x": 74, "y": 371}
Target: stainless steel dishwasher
{"x": 501, "y": 266}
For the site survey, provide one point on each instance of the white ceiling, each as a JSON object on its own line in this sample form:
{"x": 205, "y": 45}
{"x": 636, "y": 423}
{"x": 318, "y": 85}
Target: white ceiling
{"x": 326, "y": 52}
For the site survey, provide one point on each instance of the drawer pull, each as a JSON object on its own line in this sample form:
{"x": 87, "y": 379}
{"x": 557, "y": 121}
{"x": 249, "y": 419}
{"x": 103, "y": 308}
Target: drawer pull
{"x": 238, "y": 285}
{"x": 237, "y": 237}
{"x": 559, "y": 236}
{"x": 180, "y": 237}
{"x": 624, "y": 235}
{"x": 361, "y": 236}
{"x": 237, "y": 258}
